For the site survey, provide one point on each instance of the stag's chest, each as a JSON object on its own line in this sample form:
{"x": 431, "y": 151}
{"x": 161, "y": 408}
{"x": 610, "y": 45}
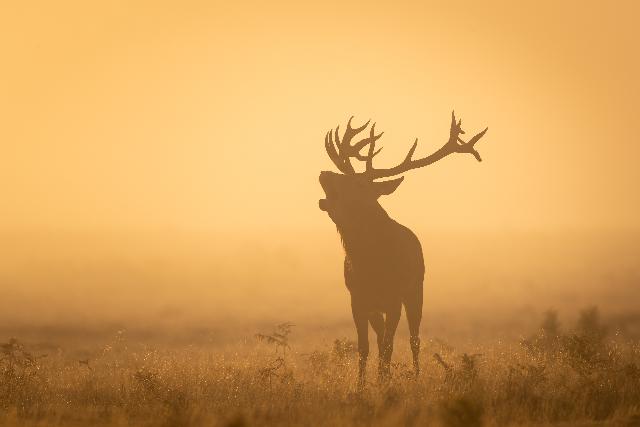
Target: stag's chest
{"x": 383, "y": 260}
{"x": 372, "y": 263}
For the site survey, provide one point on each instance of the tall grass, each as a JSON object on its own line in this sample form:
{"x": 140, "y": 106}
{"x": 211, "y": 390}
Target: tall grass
{"x": 587, "y": 374}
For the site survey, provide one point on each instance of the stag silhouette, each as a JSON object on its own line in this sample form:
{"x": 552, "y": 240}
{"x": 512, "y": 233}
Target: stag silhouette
{"x": 383, "y": 265}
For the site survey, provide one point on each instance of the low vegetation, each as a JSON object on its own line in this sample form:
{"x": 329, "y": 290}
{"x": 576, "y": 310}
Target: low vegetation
{"x": 586, "y": 374}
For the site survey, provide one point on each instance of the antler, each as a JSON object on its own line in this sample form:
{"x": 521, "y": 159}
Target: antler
{"x": 341, "y": 152}
{"x": 455, "y": 144}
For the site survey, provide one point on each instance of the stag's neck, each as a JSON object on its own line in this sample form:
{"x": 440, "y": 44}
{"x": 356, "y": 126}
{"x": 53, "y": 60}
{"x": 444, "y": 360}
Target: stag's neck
{"x": 363, "y": 232}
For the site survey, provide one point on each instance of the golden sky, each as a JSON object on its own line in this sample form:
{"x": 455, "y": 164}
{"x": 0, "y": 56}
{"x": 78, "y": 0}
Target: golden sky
{"x": 210, "y": 115}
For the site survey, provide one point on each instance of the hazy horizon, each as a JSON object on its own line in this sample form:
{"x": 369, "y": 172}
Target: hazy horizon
{"x": 172, "y": 284}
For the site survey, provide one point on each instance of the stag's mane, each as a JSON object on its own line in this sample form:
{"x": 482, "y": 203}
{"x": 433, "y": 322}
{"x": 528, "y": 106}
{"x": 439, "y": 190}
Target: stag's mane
{"x": 356, "y": 234}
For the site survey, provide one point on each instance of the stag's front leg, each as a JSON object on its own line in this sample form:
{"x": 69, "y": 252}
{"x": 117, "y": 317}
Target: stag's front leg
{"x": 376, "y": 320}
{"x": 361, "y": 320}
{"x": 390, "y": 326}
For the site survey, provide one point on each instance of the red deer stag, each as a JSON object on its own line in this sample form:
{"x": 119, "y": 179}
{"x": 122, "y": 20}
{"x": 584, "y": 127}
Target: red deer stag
{"x": 383, "y": 266}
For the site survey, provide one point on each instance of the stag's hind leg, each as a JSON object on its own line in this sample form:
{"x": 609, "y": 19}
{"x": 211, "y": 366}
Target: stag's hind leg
{"x": 413, "y": 309}
{"x": 377, "y": 323}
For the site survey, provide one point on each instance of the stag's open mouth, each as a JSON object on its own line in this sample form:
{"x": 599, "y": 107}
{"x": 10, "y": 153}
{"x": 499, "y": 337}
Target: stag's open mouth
{"x": 323, "y": 204}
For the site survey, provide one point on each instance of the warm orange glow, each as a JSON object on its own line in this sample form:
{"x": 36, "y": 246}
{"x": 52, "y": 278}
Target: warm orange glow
{"x": 159, "y": 213}
{"x": 204, "y": 115}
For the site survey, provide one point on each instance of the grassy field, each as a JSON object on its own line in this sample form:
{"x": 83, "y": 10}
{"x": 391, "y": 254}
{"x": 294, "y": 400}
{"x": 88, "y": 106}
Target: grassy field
{"x": 587, "y": 373}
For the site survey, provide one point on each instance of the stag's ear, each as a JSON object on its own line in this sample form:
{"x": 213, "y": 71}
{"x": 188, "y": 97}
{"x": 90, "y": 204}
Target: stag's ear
{"x": 386, "y": 187}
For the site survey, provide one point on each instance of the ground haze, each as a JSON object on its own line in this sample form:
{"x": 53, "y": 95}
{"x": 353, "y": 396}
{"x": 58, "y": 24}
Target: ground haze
{"x": 150, "y": 329}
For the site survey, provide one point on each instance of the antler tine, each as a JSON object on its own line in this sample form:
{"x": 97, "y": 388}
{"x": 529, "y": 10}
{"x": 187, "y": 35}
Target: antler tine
{"x": 334, "y": 154}
{"x": 372, "y": 148}
{"x": 349, "y": 133}
{"x": 356, "y": 130}
{"x": 469, "y": 147}
{"x": 459, "y": 143}
{"x": 454, "y": 145}
{"x": 331, "y": 149}
{"x": 346, "y": 166}
{"x": 372, "y": 138}
{"x": 344, "y": 148}
{"x": 411, "y": 151}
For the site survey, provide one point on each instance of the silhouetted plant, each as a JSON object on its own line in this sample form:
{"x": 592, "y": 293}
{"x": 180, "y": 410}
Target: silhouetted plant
{"x": 460, "y": 375}
{"x": 344, "y": 348}
{"x": 279, "y": 338}
{"x": 548, "y": 338}
{"x": 272, "y": 369}
{"x": 550, "y": 325}
{"x": 590, "y": 325}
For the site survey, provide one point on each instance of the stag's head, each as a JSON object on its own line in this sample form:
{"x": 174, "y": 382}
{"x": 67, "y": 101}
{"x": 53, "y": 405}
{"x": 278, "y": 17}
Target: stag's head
{"x": 351, "y": 193}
